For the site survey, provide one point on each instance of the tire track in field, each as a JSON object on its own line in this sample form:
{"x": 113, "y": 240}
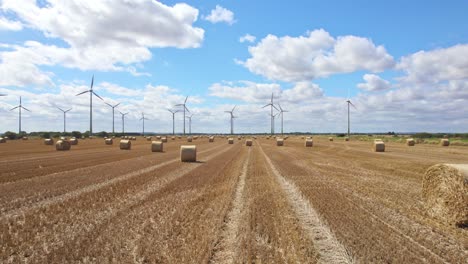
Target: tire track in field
{"x": 226, "y": 248}
{"x": 328, "y": 247}
{"x": 90, "y": 188}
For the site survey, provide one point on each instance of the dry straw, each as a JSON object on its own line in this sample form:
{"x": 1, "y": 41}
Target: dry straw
{"x": 379, "y": 146}
{"x": 2, "y": 140}
{"x": 62, "y": 145}
{"x": 164, "y": 139}
{"x": 188, "y": 153}
{"x": 189, "y": 139}
{"x": 230, "y": 141}
{"x": 248, "y": 142}
{"x": 445, "y": 193}
{"x": 444, "y": 142}
{"x": 330, "y": 139}
{"x": 48, "y": 141}
{"x": 309, "y": 142}
{"x": 149, "y": 138}
{"x": 109, "y": 141}
{"x": 346, "y": 138}
{"x": 73, "y": 141}
{"x": 410, "y": 142}
{"x": 125, "y": 144}
{"x": 211, "y": 139}
{"x": 279, "y": 142}
{"x": 157, "y": 146}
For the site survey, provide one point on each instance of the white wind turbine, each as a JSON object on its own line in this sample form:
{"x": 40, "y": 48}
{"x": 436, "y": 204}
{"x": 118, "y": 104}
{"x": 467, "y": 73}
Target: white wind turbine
{"x": 271, "y": 113}
{"x": 184, "y": 108}
{"x": 20, "y": 107}
{"x": 91, "y": 93}
{"x": 64, "y": 118}
{"x": 232, "y": 118}
{"x": 113, "y": 115}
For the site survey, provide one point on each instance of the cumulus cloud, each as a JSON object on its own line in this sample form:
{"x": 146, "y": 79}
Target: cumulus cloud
{"x": 221, "y": 14}
{"x": 374, "y": 83}
{"x": 247, "y": 38}
{"x": 6, "y": 24}
{"x": 315, "y": 55}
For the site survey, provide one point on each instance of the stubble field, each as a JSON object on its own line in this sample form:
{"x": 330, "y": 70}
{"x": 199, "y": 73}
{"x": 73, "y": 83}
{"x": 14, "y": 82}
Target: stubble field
{"x": 337, "y": 202}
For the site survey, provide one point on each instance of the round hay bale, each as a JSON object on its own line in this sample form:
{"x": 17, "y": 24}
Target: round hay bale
{"x": 148, "y": 138}
{"x": 25, "y": 138}
{"x": 309, "y": 143}
{"x": 330, "y": 139}
{"x": 346, "y": 139}
{"x": 157, "y": 146}
{"x": 189, "y": 139}
{"x": 125, "y": 144}
{"x": 172, "y": 138}
{"x": 2, "y": 140}
{"x": 211, "y": 139}
{"x": 248, "y": 142}
{"x": 230, "y": 141}
{"x": 62, "y": 145}
{"x": 164, "y": 139}
{"x": 48, "y": 141}
{"x": 188, "y": 153}
{"x": 73, "y": 141}
{"x": 410, "y": 142}
{"x": 158, "y": 137}
{"x": 445, "y": 193}
{"x": 134, "y": 138}
{"x": 279, "y": 142}
{"x": 444, "y": 142}
{"x": 109, "y": 141}
{"x": 179, "y": 137}
{"x": 379, "y": 146}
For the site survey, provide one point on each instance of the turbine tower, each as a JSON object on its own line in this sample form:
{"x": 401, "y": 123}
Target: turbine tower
{"x": 123, "y": 122}
{"x": 20, "y": 106}
{"x": 232, "y": 118}
{"x": 190, "y": 124}
{"x": 91, "y": 92}
{"x": 281, "y": 112}
{"x": 349, "y": 103}
{"x": 277, "y": 114}
{"x": 143, "y": 118}
{"x": 64, "y": 118}
{"x": 173, "y": 112}
{"x": 113, "y": 108}
{"x": 185, "y": 108}
{"x": 271, "y": 114}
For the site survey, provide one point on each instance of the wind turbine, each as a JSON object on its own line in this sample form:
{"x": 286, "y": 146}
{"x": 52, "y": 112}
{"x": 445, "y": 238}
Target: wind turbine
{"x": 232, "y": 118}
{"x": 173, "y": 112}
{"x": 185, "y": 108}
{"x": 281, "y": 112}
{"x": 91, "y": 92}
{"x": 3, "y": 95}
{"x": 143, "y": 118}
{"x": 113, "y": 108}
{"x": 20, "y": 106}
{"x": 349, "y": 103}
{"x": 123, "y": 122}
{"x": 190, "y": 123}
{"x": 271, "y": 113}
{"x": 64, "y": 118}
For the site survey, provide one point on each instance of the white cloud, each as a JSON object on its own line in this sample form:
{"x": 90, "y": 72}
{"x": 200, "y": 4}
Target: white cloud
{"x": 220, "y": 14}
{"x": 247, "y": 38}
{"x": 374, "y": 83}
{"x": 6, "y": 24}
{"x": 315, "y": 55}
{"x": 436, "y": 65}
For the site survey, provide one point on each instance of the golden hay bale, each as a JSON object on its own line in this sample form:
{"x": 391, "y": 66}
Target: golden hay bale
{"x": 179, "y": 137}
{"x": 309, "y": 142}
{"x": 172, "y": 138}
{"x": 134, "y": 138}
{"x": 285, "y": 138}
{"x": 73, "y": 141}
{"x": 24, "y": 138}
{"x": 188, "y": 153}
{"x": 239, "y": 138}
{"x": 330, "y": 139}
{"x": 158, "y": 137}
{"x": 410, "y": 142}
{"x": 211, "y": 139}
{"x": 444, "y": 142}
{"x": 302, "y": 137}
{"x": 62, "y": 145}
{"x": 2, "y": 140}
{"x": 164, "y": 139}
{"x": 445, "y": 193}
{"x": 109, "y": 141}
{"x": 195, "y": 137}
{"x": 346, "y": 138}
{"x": 48, "y": 141}
{"x": 230, "y": 141}
{"x": 379, "y": 146}
{"x": 189, "y": 139}
{"x": 157, "y": 146}
{"x": 125, "y": 144}
{"x": 279, "y": 142}
{"x": 148, "y": 138}
{"x": 248, "y": 142}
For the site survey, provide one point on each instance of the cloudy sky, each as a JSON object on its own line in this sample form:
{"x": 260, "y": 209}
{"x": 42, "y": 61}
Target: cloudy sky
{"x": 403, "y": 65}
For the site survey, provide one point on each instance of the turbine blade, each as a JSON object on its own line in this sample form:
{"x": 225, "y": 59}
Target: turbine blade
{"x": 280, "y": 106}
{"x": 352, "y": 105}
{"x": 98, "y": 96}
{"x": 2, "y": 94}
{"x": 179, "y": 104}
{"x": 25, "y": 109}
{"x": 274, "y": 107}
{"x": 60, "y": 109}
{"x": 68, "y": 110}
{"x": 186, "y": 109}
{"x": 234, "y": 108}
{"x": 14, "y": 108}
{"x": 92, "y": 82}
{"x": 266, "y": 105}
{"x": 185, "y": 99}
{"x": 116, "y": 105}
{"x": 109, "y": 104}
{"x": 82, "y": 93}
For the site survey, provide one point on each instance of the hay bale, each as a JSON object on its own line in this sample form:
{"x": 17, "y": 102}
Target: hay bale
{"x": 379, "y": 146}
{"x": 134, "y": 138}
{"x": 410, "y": 142}
{"x": 149, "y": 138}
{"x": 164, "y": 139}
{"x": 309, "y": 142}
{"x": 445, "y": 193}
{"x": 125, "y": 144}
{"x": 248, "y": 142}
{"x": 346, "y": 138}
{"x": 62, "y": 145}
{"x": 158, "y": 137}
{"x": 230, "y": 141}
{"x": 109, "y": 141}
{"x": 172, "y": 138}
{"x": 179, "y": 137}
{"x": 444, "y": 142}
{"x": 73, "y": 141}
{"x": 188, "y": 153}
{"x": 2, "y": 140}
{"x": 48, "y": 141}
{"x": 189, "y": 139}
{"x": 157, "y": 146}
{"x": 330, "y": 139}
{"x": 211, "y": 139}
{"x": 279, "y": 142}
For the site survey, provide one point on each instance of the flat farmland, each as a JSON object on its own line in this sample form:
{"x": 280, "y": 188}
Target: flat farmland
{"x": 336, "y": 202}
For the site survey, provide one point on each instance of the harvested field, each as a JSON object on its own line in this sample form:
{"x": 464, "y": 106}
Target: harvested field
{"x": 337, "y": 202}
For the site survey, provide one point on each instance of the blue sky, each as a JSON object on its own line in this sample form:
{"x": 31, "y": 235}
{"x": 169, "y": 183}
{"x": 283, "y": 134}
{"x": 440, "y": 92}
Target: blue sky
{"x": 403, "y": 63}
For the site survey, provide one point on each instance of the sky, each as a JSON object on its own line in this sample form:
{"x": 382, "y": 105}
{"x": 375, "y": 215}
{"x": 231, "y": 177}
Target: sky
{"x": 403, "y": 64}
